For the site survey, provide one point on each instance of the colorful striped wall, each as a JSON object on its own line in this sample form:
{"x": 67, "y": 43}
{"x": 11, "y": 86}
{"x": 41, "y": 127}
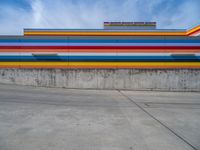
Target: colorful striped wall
{"x": 84, "y": 50}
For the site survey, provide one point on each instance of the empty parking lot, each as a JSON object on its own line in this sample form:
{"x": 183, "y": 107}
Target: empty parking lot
{"x": 48, "y": 118}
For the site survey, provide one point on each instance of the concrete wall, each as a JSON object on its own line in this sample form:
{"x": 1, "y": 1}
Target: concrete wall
{"x": 127, "y": 79}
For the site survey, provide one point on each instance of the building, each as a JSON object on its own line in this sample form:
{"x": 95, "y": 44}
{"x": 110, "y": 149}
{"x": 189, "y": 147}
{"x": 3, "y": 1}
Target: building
{"x": 117, "y": 45}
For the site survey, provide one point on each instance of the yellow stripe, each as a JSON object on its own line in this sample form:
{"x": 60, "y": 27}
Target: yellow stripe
{"x": 106, "y": 33}
{"x": 33, "y": 63}
{"x": 135, "y": 63}
{"x": 119, "y": 64}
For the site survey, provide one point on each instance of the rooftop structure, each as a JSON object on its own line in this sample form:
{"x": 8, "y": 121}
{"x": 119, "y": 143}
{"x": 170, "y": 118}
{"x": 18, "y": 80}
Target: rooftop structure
{"x": 129, "y": 25}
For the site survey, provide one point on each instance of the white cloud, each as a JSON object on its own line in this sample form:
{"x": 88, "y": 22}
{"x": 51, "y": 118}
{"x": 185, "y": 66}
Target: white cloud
{"x": 185, "y": 15}
{"x": 92, "y": 14}
{"x": 13, "y": 20}
{"x": 37, "y": 12}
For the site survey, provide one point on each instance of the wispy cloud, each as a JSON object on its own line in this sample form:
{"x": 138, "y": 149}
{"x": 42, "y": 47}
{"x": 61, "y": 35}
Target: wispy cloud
{"x": 91, "y": 13}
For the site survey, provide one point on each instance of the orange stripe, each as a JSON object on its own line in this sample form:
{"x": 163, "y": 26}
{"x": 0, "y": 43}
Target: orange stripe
{"x": 107, "y": 35}
{"x": 136, "y": 50}
{"x": 90, "y": 33}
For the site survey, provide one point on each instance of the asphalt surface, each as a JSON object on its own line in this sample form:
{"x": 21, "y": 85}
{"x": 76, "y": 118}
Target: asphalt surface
{"x": 58, "y": 119}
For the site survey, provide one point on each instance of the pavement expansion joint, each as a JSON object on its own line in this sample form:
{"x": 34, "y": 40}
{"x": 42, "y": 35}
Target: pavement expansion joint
{"x": 154, "y": 118}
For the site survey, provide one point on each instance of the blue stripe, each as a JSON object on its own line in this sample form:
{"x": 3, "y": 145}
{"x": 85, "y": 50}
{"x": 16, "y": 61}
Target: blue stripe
{"x": 99, "y": 58}
{"x": 130, "y": 58}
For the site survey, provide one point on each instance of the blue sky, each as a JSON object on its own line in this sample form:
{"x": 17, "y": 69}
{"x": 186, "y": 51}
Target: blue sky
{"x": 18, "y": 14}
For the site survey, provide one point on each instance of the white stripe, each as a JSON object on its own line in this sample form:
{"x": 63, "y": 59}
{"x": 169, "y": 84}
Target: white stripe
{"x": 99, "y": 44}
{"x": 92, "y": 54}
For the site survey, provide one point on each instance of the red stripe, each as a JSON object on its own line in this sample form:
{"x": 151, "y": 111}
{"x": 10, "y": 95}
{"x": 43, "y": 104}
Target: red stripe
{"x": 99, "y": 47}
{"x": 105, "y": 50}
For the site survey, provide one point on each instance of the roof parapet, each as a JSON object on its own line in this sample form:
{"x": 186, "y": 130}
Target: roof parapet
{"x": 194, "y": 31}
{"x": 126, "y": 29}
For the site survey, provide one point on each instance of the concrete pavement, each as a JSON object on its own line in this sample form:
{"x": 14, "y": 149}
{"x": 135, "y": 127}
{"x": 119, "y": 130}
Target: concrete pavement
{"x": 59, "y": 119}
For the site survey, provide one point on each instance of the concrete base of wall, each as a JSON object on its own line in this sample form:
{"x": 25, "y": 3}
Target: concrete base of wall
{"x": 125, "y": 79}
